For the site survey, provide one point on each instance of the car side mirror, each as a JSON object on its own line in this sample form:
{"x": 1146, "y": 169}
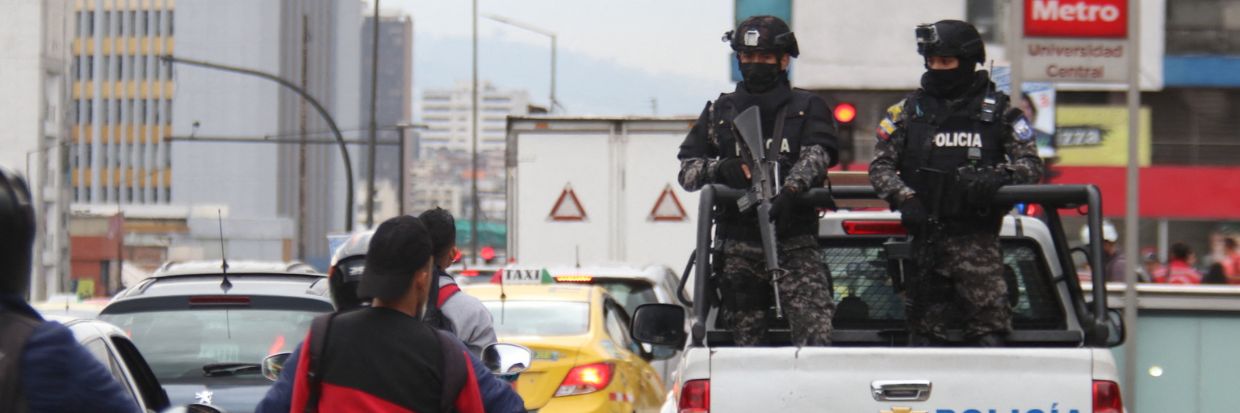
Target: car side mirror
{"x": 1116, "y": 331}
{"x": 506, "y": 358}
{"x": 659, "y": 325}
{"x": 272, "y": 365}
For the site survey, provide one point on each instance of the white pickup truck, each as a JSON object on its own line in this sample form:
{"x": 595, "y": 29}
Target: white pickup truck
{"x": 1056, "y": 359}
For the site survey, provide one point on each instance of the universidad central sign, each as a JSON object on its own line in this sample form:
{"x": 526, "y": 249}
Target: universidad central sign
{"x": 1075, "y": 41}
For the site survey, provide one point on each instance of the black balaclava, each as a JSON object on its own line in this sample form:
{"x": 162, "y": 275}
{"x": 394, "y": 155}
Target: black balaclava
{"x": 762, "y": 77}
{"x": 950, "y": 83}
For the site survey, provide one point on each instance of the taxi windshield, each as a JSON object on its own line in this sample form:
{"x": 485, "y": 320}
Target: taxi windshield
{"x": 539, "y": 318}
{"x": 178, "y": 344}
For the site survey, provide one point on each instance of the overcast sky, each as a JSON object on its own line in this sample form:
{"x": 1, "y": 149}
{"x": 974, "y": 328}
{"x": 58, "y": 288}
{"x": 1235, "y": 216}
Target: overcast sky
{"x": 614, "y": 57}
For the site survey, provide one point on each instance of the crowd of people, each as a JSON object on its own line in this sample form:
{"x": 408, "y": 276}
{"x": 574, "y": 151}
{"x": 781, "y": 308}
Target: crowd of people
{"x": 1182, "y": 266}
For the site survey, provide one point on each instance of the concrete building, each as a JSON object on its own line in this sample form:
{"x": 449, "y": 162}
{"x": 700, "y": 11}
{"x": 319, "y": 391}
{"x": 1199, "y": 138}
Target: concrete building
{"x": 394, "y": 105}
{"x": 312, "y": 43}
{"x": 35, "y": 114}
{"x": 145, "y": 134}
{"x": 447, "y": 113}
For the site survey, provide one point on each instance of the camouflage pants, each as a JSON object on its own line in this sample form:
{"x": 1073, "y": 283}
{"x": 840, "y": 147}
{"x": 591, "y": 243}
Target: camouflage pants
{"x": 966, "y": 283}
{"x": 805, "y": 295}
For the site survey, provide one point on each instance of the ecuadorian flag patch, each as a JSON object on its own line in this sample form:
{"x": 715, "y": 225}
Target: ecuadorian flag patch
{"x": 886, "y": 128}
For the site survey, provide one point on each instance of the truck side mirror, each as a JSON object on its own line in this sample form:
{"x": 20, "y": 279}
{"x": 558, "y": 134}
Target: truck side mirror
{"x": 1116, "y": 331}
{"x": 659, "y": 325}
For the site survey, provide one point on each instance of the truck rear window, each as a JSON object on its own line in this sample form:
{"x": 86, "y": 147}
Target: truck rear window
{"x": 865, "y": 298}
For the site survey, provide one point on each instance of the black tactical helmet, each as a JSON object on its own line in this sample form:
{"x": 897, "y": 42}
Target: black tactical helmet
{"x": 951, "y": 38}
{"x": 16, "y": 233}
{"x": 763, "y": 34}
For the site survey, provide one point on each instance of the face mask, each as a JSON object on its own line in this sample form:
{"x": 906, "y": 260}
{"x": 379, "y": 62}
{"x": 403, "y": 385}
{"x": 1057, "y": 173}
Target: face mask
{"x": 948, "y": 83}
{"x": 761, "y": 77}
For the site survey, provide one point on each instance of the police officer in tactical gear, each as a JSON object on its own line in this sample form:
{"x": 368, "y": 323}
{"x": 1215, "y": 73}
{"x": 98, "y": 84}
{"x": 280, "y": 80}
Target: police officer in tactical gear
{"x": 941, "y": 155}
{"x": 799, "y": 124}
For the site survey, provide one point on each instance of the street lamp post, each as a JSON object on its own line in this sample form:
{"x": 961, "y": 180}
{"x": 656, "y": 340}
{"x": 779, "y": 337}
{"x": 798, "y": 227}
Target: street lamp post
{"x": 331, "y": 123}
{"x": 551, "y": 103}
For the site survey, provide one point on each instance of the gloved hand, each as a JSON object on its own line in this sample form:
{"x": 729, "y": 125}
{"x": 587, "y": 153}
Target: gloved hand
{"x": 731, "y": 172}
{"x": 981, "y": 184}
{"x": 913, "y": 214}
{"x": 781, "y": 210}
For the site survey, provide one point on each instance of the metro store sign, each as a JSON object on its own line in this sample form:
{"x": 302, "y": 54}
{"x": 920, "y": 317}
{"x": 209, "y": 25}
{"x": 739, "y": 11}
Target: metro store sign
{"x": 1080, "y": 18}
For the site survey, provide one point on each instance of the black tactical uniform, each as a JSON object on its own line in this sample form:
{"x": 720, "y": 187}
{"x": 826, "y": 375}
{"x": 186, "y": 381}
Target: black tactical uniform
{"x": 957, "y": 127}
{"x": 807, "y": 147}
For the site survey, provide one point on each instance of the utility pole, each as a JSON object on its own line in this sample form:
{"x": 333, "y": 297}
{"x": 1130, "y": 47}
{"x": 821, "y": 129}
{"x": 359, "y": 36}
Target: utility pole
{"x": 374, "y": 98}
{"x": 301, "y": 148}
{"x": 473, "y": 153}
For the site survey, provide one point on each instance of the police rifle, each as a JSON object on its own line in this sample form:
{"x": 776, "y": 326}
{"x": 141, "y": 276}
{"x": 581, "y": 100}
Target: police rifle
{"x": 764, "y": 188}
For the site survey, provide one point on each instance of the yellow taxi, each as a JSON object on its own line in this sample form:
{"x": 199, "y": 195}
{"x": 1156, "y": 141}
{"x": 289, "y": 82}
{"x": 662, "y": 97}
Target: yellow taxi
{"x": 584, "y": 358}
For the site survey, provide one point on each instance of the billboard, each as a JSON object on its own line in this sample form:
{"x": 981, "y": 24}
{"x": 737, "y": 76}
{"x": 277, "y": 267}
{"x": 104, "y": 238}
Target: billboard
{"x": 1098, "y": 136}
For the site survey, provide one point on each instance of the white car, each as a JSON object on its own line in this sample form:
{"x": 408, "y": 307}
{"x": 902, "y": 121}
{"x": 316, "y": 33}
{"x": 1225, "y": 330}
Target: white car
{"x": 110, "y": 346}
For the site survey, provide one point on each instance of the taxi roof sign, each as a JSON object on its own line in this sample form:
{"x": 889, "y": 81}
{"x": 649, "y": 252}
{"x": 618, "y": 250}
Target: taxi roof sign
{"x": 527, "y": 276}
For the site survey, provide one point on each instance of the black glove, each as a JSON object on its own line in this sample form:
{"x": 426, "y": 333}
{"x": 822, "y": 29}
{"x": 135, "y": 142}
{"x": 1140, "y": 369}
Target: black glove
{"x": 730, "y": 173}
{"x": 981, "y": 184}
{"x": 913, "y": 214}
{"x": 781, "y": 210}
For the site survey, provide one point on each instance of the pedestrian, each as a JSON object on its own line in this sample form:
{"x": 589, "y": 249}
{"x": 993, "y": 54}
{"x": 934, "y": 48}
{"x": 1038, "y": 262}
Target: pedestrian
{"x": 1179, "y": 269}
{"x": 453, "y": 311}
{"x": 42, "y": 366}
{"x": 1231, "y": 260}
{"x": 383, "y": 356}
{"x": 940, "y": 156}
{"x": 1113, "y": 260}
{"x": 797, "y": 123}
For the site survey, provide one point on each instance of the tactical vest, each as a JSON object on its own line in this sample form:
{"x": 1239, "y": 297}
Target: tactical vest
{"x": 723, "y": 135}
{"x": 938, "y": 137}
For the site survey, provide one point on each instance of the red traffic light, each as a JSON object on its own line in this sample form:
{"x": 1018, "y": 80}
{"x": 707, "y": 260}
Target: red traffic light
{"x": 845, "y": 113}
{"x": 487, "y": 253}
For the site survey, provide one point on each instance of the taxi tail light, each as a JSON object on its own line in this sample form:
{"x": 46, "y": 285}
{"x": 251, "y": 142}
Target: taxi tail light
{"x": 574, "y": 278}
{"x": 587, "y": 378}
{"x": 1107, "y": 398}
{"x": 695, "y": 397}
{"x": 875, "y": 227}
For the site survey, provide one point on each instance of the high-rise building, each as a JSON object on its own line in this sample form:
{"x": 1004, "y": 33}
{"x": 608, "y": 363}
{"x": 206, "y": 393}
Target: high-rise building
{"x": 122, "y": 102}
{"x": 148, "y": 133}
{"x": 447, "y": 114}
{"x": 394, "y": 105}
{"x": 34, "y": 112}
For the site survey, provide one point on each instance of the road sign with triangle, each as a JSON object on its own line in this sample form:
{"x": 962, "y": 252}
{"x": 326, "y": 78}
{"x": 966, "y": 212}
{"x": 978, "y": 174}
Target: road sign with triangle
{"x": 568, "y": 207}
{"x": 668, "y": 207}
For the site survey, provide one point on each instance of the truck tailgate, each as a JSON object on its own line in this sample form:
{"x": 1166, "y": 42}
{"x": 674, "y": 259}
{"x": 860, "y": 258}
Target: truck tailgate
{"x": 1012, "y": 380}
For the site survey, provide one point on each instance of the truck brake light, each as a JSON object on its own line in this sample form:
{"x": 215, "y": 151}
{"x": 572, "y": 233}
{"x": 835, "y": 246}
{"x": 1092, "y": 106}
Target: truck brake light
{"x": 1107, "y": 398}
{"x": 586, "y": 378}
{"x": 695, "y": 397}
{"x": 875, "y": 227}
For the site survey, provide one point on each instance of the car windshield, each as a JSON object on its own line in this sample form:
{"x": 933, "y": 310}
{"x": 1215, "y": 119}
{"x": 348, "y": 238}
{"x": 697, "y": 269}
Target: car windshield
{"x": 539, "y": 318}
{"x": 629, "y": 293}
{"x": 178, "y": 344}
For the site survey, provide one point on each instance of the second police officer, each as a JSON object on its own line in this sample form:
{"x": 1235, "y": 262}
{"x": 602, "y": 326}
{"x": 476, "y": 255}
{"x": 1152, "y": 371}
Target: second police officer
{"x": 710, "y": 154}
{"x": 957, "y": 128}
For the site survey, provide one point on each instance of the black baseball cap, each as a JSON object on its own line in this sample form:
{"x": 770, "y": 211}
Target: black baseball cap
{"x": 398, "y": 249}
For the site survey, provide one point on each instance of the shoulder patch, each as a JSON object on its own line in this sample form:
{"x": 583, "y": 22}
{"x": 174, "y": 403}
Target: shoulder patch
{"x": 894, "y": 111}
{"x": 1021, "y": 129}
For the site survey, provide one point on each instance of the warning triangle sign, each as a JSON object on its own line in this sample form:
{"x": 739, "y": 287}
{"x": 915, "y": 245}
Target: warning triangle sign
{"x": 568, "y": 207}
{"x": 668, "y": 207}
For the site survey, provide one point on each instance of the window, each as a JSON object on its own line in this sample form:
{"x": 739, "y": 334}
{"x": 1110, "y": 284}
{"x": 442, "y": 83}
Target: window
{"x": 539, "y": 318}
{"x": 120, "y": 23}
{"x": 90, "y": 67}
{"x": 146, "y": 23}
{"x": 100, "y": 352}
{"x": 171, "y": 20}
{"x": 989, "y": 17}
{"x": 865, "y": 297}
{"x": 77, "y": 17}
{"x": 617, "y": 327}
{"x": 90, "y": 23}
